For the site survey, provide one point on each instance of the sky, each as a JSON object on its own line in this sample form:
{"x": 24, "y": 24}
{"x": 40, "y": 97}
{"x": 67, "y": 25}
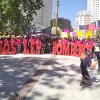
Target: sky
{"x": 69, "y": 8}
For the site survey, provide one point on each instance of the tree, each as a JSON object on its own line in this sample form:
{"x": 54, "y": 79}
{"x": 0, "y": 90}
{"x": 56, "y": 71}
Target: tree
{"x": 3, "y": 20}
{"x": 52, "y": 23}
{"x": 19, "y": 11}
{"x": 98, "y": 33}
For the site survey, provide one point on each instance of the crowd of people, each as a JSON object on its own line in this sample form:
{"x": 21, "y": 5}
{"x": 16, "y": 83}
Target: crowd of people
{"x": 46, "y": 48}
{"x": 47, "y": 42}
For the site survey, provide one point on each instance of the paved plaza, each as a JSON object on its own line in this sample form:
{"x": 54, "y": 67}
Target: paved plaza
{"x": 45, "y": 77}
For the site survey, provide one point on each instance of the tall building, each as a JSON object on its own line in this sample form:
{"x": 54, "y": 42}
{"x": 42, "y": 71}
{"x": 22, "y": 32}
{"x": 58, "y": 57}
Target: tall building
{"x": 83, "y": 17}
{"x": 94, "y": 7}
{"x": 44, "y": 16}
{"x": 89, "y": 5}
{"x": 65, "y": 23}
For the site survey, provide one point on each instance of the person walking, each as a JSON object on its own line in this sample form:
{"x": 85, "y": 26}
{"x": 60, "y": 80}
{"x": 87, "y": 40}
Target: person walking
{"x": 85, "y": 63}
{"x": 97, "y": 52}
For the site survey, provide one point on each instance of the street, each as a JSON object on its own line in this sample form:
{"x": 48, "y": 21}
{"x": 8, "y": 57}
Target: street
{"x": 45, "y": 77}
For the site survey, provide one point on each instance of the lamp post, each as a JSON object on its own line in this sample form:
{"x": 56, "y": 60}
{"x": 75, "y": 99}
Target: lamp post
{"x": 54, "y": 20}
{"x": 57, "y": 4}
{"x": 20, "y": 24}
{"x": 20, "y": 8}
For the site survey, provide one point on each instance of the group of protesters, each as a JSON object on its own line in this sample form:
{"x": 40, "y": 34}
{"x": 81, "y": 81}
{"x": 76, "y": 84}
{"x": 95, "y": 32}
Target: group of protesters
{"x": 47, "y": 44}
{"x": 46, "y": 41}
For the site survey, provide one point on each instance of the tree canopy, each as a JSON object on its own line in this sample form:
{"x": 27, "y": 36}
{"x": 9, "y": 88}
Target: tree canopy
{"x": 18, "y": 11}
{"x": 52, "y": 23}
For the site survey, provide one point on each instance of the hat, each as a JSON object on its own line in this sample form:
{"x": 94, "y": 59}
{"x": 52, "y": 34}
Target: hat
{"x": 97, "y": 49}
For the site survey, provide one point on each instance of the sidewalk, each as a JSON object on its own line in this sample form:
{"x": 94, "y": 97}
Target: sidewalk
{"x": 15, "y": 70}
{"x": 59, "y": 79}
{"x": 61, "y": 82}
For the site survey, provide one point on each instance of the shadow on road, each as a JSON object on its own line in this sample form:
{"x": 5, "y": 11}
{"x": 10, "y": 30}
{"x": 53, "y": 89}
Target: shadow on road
{"x": 14, "y": 72}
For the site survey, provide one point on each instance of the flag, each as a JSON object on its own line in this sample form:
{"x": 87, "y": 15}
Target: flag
{"x": 92, "y": 26}
{"x": 83, "y": 27}
{"x": 88, "y": 34}
{"x": 67, "y": 31}
{"x": 79, "y": 33}
{"x": 84, "y": 32}
{"x": 98, "y": 24}
{"x": 74, "y": 34}
{"x": 71, "y": 34}
{"x": 64, "y": 35}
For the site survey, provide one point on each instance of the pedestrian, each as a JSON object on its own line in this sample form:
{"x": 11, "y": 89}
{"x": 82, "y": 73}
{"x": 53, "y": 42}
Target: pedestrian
{"x": 85, "y": 63}
{"x": 97, "y": 52}
{"x": 43, "y": 45}
{"x": 18, "y": 44}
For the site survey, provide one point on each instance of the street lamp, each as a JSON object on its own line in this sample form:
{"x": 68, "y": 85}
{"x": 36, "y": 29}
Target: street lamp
{"x": 57, "y": 4}
{"x": 54, "y": 20}
{"x": 20, "y": 8}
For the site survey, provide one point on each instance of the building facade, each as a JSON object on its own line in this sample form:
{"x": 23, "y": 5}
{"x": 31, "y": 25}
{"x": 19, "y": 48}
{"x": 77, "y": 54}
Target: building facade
{"x": 65, "y": 23}
{"x": 44, "y": 16}
{"x": 94, "y": 7}
{"x": 83, "y": 17}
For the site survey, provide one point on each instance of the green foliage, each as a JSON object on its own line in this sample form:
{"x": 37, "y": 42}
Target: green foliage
{"x": 19, "y": 11}
{"x": 53, "y": 23}
{"x": 2, "y": 19}
{"x": 59, "y": 25}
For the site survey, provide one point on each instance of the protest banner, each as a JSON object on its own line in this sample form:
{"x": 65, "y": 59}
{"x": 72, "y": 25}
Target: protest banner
{"x": 59, "y": 48}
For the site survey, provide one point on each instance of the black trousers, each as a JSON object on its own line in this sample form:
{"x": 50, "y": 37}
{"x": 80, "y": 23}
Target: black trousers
{"x": 84, "y": 72}
{"x": 98, "y": 65}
